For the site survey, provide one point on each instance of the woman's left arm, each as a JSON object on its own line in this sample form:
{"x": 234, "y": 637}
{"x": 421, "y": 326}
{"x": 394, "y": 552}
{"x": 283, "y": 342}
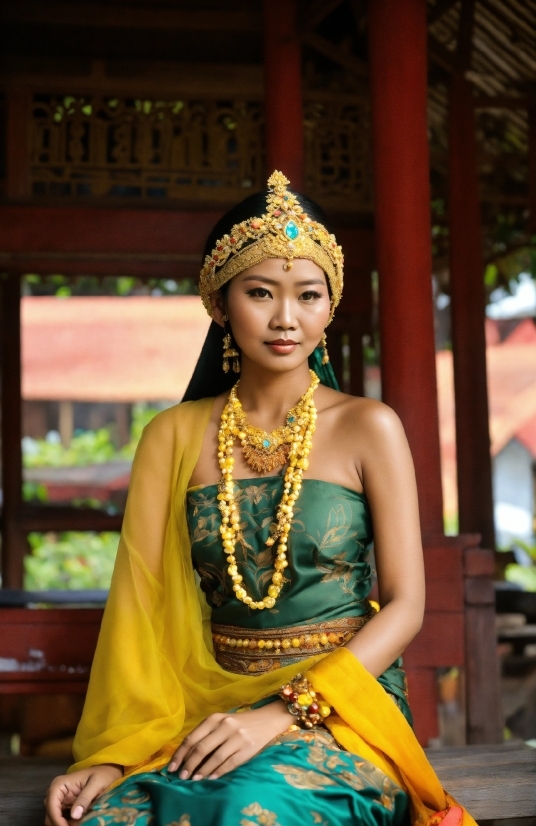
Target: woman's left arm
{"x": 388, "y": 476}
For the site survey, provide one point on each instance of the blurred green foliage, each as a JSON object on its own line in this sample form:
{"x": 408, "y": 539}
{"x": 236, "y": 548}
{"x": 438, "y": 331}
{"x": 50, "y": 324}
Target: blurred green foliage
{"x": 524, "y": 575}
{"x": 89, "y": 447}
{"x": 75, "y": 560}
{"x": 64, "y": 286}
{"x": 70, "y": 561}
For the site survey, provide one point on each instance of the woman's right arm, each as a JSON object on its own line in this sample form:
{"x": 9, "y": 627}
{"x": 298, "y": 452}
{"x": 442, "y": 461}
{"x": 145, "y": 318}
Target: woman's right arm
{"x": 77, "y": 791}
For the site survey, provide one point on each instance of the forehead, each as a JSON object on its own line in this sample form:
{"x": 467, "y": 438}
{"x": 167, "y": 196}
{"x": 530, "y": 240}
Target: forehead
{"x": 273, "y": 268}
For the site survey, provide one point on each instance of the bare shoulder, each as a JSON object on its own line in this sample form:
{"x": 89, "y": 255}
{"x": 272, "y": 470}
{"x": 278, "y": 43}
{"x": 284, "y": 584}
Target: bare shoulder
{"x": 360, "y": 414}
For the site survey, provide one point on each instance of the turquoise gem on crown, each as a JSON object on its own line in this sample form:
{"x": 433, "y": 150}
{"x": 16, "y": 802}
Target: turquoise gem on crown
{"x": 291, "y": 230}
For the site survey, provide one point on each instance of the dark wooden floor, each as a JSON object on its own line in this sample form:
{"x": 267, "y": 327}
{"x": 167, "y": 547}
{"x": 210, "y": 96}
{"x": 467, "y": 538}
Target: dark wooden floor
{"x": 497, "y": 784}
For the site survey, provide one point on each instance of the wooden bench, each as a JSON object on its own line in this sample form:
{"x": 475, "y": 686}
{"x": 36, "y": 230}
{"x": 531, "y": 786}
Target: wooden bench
{"x": 47, "y": 651}
{"x": 497, "y": 784}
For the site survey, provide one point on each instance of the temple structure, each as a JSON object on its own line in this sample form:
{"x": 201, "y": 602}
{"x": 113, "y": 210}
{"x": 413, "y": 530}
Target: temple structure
{"x": 129, "y": 128}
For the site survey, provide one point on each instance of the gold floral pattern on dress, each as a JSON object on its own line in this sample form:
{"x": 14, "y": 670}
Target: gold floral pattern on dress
{"x": 184, "y": 820}
{"x": 302, "y": 778}
{"x": 331, "y": 765}
{"x": 263, "y": 817}
{"x": 318, "y": 819}
{"x": 251, "y": 552}
{"x": 123, "y": 815}
{"x": 336, "y": 539}
{"x": 198, "y": 500}
{"x": 104, "y": 814}
{"x": 338, "y": 566}
{"x": 207, "y": 528}
{"x": 293, "y": 737}
{"x": 135, "y": 797}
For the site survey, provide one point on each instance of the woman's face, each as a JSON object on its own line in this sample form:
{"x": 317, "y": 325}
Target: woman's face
{"x": 277, "y": 317}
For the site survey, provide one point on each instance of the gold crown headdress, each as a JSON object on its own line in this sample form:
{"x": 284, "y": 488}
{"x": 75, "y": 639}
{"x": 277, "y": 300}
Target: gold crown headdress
{"x": 284, "y": 231}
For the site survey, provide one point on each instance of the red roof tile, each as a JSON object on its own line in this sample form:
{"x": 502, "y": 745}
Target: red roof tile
{"x": 110, "y": 349}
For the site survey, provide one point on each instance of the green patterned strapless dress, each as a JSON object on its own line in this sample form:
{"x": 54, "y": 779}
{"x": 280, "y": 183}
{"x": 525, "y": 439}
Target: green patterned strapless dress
{"x": 301, "y": 777}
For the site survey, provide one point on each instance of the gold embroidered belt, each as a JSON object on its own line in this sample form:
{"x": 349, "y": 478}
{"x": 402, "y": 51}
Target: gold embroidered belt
{"x": 249, "y": 651}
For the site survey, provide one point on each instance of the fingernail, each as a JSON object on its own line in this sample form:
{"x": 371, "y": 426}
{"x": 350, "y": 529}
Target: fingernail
{"x": 184, "y": 774}
{"x": 77, "y": 812}
{"x": 197, "y": 777}
{"x": 172, "y": 767}
{"x": 213, "y": 777}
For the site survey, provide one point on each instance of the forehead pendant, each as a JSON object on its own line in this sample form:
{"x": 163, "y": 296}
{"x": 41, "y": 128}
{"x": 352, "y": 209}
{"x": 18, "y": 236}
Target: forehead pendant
{"x": 292, "y": 232}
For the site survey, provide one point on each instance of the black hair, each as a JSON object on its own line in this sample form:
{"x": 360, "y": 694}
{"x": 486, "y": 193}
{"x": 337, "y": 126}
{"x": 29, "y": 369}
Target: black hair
{"x": 208, "y": 378}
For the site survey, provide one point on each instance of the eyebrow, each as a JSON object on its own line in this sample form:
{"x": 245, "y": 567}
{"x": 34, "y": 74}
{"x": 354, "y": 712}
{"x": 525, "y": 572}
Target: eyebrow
{"x": 266, "y": 280}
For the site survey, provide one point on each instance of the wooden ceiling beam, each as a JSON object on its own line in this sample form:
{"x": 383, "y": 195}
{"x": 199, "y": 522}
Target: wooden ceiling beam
{"x": 441, "y": 7}
{"x": 331, "y": 50}
{"x": 500, "y": 102}
{"x": 442, "y": 56}
{"x": 159, "y": 80}
{"x": 318, "y": 11}
{"x": 131, "y": 17}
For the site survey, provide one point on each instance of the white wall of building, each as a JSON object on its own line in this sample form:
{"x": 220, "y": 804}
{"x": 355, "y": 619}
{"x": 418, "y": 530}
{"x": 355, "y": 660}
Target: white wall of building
{"x": 513, "y": 493}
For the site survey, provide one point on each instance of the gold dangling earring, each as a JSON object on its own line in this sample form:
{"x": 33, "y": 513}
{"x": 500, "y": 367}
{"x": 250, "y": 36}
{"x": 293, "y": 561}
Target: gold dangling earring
{"x": 229, "y": 351}
{"x": 324, "y": 345}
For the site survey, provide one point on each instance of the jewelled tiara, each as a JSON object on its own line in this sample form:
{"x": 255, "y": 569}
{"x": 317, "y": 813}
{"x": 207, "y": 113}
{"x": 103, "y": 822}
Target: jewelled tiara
{"x": 284, "y": 231}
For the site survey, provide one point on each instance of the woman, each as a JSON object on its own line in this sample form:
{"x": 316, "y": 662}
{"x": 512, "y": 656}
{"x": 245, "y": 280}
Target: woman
{"x": 240, "y": 588}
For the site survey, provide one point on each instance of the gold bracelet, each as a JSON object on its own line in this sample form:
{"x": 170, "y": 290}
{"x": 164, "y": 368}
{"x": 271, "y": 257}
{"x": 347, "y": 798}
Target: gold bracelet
{"x": 304, "y": 703}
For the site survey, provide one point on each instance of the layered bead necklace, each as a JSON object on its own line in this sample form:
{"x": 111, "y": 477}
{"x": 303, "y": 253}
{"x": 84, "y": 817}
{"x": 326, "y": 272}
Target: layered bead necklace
{"x": 291, "y": 443}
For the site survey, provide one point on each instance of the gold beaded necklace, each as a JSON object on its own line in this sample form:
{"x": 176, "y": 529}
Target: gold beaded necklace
{"x": 301, "y": 430}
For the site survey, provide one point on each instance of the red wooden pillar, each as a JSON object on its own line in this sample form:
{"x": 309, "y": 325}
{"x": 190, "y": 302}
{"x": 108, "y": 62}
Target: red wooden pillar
{"x": 14, "y": 545}
{"x": 475, "y": 495}
{"x": 398, "y": 67}
{"x": 283, "y": 103}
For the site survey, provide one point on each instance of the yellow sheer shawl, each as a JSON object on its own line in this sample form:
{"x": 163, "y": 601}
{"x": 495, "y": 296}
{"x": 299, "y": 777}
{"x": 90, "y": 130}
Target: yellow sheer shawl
{"x": 154, "y": 676}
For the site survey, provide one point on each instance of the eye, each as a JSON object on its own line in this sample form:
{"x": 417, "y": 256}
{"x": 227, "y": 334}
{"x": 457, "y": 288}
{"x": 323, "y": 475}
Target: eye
{"x": 259, "y": 292}
{"x": 310, "y": 295}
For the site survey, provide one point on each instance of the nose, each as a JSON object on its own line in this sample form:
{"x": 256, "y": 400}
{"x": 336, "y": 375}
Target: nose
{"x": 284, "y": 317}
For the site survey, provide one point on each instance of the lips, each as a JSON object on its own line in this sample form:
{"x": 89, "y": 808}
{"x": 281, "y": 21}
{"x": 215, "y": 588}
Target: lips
{"x": 283, "y": 346}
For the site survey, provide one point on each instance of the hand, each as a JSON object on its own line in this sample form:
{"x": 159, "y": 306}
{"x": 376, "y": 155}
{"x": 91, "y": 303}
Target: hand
{"x": 77, "y": 791}
{"x": 224, "y": 741}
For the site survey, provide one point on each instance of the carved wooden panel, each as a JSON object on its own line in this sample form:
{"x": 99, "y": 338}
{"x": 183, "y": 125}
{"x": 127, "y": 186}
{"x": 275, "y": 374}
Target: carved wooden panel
{"x": 337, "y": 154}
{"x": 159, "y": 150}
{"x": 143, "y": 149}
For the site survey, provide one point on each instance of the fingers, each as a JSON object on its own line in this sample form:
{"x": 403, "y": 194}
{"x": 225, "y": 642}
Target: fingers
{"x": 59, "y": 795}
{"x": 205, "y": 747}
{"x": 49, "y": 822}
{"x": 205, "y": 728}
{"x": 231, "y": 763}
{"x": 227, "y": 753}
{"x": 93, "y": 788}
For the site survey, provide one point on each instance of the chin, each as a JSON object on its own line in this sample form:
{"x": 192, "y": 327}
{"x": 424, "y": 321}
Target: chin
{"x": 280, "y": 364}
